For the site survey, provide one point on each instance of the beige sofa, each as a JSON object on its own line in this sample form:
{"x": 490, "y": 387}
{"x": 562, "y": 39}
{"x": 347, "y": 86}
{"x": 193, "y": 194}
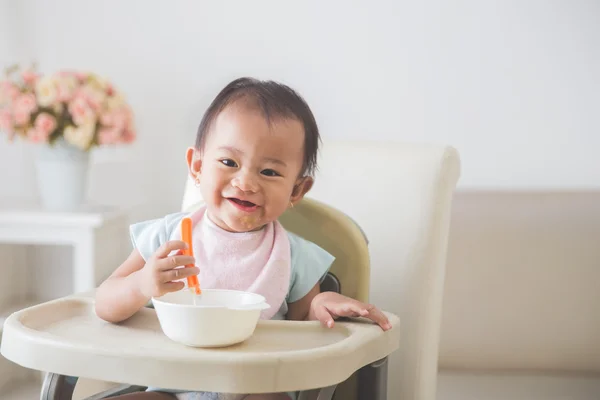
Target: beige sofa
{"x": 521, "y": 317}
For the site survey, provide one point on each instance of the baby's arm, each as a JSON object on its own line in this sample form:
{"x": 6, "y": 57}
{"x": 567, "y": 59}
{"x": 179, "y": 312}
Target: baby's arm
{"x": 136, "y": 281}
{"x": 119, "y": 297}
{"x": 299, "y": 310}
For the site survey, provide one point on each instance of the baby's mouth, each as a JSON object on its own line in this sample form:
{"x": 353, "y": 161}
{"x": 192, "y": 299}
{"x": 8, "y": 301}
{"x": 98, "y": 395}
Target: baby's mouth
{"x": 242, "y": 204}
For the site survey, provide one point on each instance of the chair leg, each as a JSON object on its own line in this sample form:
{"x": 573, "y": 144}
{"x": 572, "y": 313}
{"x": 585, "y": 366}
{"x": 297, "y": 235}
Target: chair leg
{"x": 58, "y": 387}
{"x": 372, "y": 381}
{"x": 116, "y": 391}
{"x": 61, "y": 387}
{"x": 327, "y": 393}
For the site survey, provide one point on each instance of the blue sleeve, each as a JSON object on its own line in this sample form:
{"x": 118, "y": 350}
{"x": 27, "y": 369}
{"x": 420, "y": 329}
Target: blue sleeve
{"x": 310, "y": 264}
{"x": 148, "y": 236}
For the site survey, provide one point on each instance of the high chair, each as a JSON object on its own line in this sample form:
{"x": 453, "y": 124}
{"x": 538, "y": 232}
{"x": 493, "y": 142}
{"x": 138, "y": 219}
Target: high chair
{"x": 403, "y": 206}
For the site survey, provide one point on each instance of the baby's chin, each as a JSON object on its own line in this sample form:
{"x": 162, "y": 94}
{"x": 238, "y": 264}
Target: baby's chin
{"x": 246, "y": 223}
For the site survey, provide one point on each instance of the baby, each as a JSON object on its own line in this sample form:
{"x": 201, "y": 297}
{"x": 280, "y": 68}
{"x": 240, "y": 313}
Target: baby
{"x": 255, "y": 155}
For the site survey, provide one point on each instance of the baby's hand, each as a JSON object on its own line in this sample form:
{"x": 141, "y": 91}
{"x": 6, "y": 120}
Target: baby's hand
{"x": 157, "y": 276}
{"x": 328, "y": 306}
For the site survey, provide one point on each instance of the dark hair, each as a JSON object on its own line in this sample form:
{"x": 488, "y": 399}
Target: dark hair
{"x": 274, "y": 100}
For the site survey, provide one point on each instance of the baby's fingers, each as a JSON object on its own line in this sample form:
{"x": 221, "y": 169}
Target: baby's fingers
{"x": 179, "y": 273}
{"x": 357, "y": 309}
{"x": 350, "y": 309}
{"x": 167, "y": 247}
{"x": 379, "y": 318}
{"x": 168, "y": 263}
{"x": 323, "y": 315}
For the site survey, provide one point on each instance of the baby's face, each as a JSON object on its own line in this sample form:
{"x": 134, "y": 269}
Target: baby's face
{"x": 249, "y": 168}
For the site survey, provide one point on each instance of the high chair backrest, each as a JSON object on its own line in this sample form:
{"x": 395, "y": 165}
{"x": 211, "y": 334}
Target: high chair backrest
{"x": 400, "y": 194}
{"x": 340, "y": 236}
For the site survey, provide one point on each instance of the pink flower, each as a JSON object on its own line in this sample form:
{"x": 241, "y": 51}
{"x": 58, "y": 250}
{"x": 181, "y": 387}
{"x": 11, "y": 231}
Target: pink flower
{"x": 8, "y": 92}
{"x": 64, "y": 90}
{"x": 94, "y": 97}
{"x": 45, "y": 123}
{"x": 29, "y": 77}
{"x": 6, "y": 122}
{"x": 26, "y": 103}
{"x": 21, "y": 118}
{"x": 108, "y": 136}
{"x": 129, "y": 136}
{"x": 23, "y": 107}
{"x": 117, "y": 118}
{"x": 81, "y": 111}
{"x": 107, "y": 118}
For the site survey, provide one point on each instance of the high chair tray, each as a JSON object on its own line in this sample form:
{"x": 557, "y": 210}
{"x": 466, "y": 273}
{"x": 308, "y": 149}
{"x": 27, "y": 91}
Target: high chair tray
{"x": 65, "y": 336}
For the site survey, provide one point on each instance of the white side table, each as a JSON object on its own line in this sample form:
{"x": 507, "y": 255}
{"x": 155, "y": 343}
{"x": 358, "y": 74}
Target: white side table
{"x": 100, "y": 242}
{"x": 98, "y": 236}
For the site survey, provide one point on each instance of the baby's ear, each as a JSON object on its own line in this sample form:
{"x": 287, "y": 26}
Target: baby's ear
{"x": 194, "y": 162}
{"x": 302, "y": 186}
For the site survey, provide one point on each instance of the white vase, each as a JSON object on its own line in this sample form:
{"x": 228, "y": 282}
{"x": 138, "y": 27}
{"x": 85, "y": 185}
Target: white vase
{"x": 62, "y": 174}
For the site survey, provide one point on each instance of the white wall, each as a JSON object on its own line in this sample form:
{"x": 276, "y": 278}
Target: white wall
{"x": 514, "y": 85}
{"x": 7, "y": 37}
{"x": 15, "y": 172}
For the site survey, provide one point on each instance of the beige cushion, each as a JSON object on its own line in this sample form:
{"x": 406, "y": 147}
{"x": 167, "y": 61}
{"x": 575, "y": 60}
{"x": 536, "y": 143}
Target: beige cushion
{"x": 523, "y": 282}
{"x": 505, "y": 386}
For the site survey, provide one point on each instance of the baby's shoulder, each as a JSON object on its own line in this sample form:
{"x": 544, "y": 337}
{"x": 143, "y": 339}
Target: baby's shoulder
{"x": 150, "y": 234}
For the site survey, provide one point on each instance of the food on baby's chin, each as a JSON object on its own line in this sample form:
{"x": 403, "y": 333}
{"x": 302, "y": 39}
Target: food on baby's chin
{"x": 248, "y": 221}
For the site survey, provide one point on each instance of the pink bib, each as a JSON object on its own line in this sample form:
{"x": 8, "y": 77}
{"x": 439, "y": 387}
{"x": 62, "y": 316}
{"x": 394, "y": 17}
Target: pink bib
{"x": 257, "y": 262}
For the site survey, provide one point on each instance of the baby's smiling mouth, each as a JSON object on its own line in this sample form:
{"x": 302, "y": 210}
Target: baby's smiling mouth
{"x": 242, "y": 204}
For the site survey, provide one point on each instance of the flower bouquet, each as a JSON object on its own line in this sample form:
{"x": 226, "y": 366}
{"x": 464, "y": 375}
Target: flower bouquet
{"x": 82, "y": 108}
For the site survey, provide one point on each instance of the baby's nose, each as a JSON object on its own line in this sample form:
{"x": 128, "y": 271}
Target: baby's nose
{"x": 245, "y": 183}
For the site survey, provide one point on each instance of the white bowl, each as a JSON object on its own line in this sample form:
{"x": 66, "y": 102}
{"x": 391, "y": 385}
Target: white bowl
{"x": 218, "y": 318}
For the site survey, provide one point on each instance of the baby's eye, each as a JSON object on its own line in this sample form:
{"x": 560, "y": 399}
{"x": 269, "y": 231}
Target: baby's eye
{"x": 229, "y": 162}
{"x": 269, "y": 172}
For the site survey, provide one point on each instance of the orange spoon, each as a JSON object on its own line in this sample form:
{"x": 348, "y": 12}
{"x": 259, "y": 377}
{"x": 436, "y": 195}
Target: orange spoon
{"x": 186, "y": 236}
